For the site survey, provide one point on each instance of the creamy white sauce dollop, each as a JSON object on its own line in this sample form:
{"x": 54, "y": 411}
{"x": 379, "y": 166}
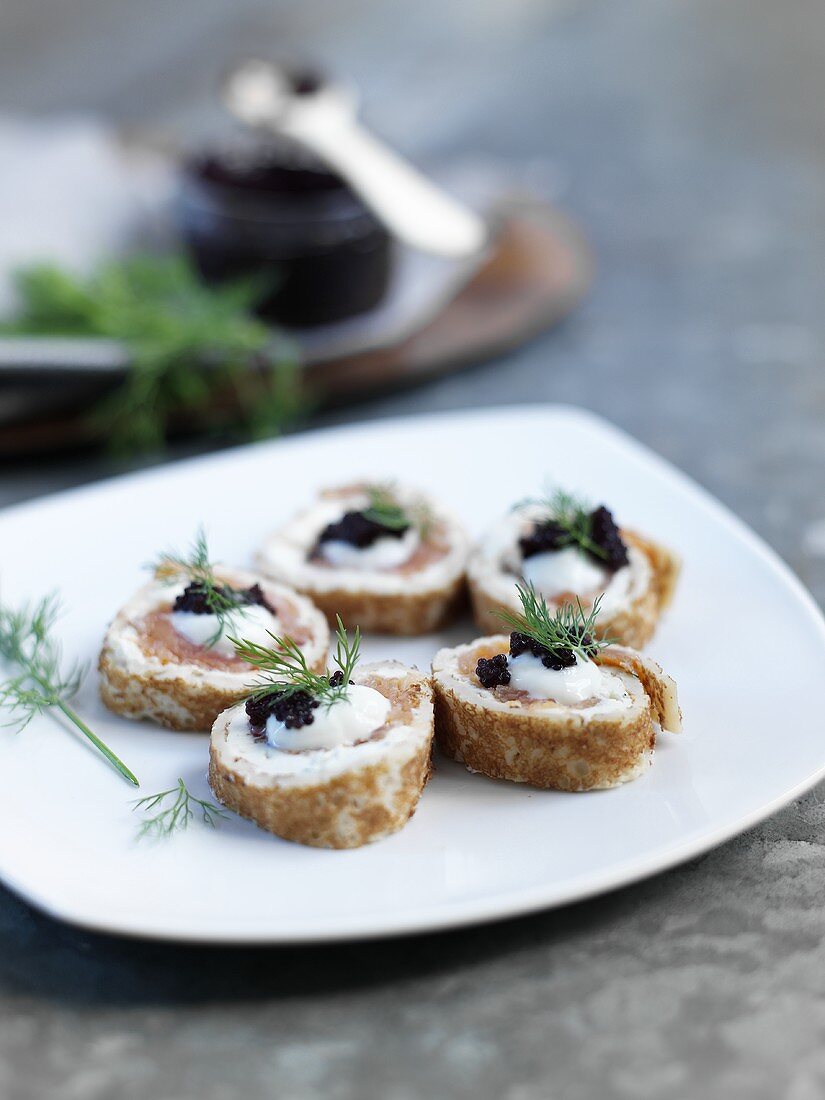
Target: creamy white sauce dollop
{"x": 582, "y": 681}
{"x": 385, "y": 553}
{"x": 360, "y": 713}
{"x": 620, "y": 589}
{"x": 252, "y": 623}
{"x": 566, "y": 570}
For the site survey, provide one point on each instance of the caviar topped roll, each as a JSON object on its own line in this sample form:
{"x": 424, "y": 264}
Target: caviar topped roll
{"x": 568, "y": 550}
{"x": 552, "y": 704}
{"x": 335, "y": 759}
{"x": 384, "y": 556}
{"x": 168, "y": 654}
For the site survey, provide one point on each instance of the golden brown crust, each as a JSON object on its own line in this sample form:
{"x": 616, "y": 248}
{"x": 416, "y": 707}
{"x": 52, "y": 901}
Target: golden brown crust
{"x": 568, "y": 750}
{"x": 406, "y": 614}
{"x": 665, "y": 563}
{"x": 659, "y": 687}
{"x": 177, "y": 704}
{"x": 189, "y": 706}
{"x": 634, "y": 625}
{"x": 485, "y": 607}
{"x": 313, "y": 815}
{"x": 351, "y": 809}
{"x": 524, "y": 749}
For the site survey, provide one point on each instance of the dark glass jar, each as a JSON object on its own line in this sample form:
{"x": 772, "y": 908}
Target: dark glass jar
{"x": 268, "y": 206}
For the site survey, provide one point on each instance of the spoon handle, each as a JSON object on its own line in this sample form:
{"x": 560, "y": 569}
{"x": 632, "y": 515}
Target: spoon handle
{"x": 415, "y": 210}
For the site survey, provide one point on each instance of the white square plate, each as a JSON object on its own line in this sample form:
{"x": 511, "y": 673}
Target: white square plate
{"x": 476, "y": 849}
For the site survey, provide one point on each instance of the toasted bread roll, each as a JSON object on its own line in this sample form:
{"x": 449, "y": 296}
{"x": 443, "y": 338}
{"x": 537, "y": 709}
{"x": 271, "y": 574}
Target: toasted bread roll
{"x": 149, "y": 669}
{"x": 402, "y": 582}
{"x": 600, "y": 742}
{"x": 340, "y": 797}
{"x": 634, "y": 596}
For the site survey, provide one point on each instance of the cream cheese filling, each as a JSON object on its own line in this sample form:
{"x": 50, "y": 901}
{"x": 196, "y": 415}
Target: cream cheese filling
{"x": 577, "y": 684}
{"x": 567, "y": 570}
{"x": 253, "y": 623}
{"x": 386, "y": 552}
{"x": 361, "y": 712}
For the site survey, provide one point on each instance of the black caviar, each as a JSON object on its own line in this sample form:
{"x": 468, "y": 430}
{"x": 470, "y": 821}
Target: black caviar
{"x": 493, "y": 672}
{"x": 604, "y": 534}
{"x": 359, "y": 529}
{"x": 337, "y": 679}
{"x": 195, "y": 598}
{"x": 556, "y": 659}
{"x": 544, "y": 536}
{"x": 293, "y": 708}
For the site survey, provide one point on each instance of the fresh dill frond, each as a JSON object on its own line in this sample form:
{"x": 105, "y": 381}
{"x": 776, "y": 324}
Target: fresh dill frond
{"x": 196, "y": 564}
{"x": 347, "y": 653}
{"x": 175, "y": 816}
{"x": 196, "y": 568}
{"x": 196, "y": 351}
{"x": 285, "y": 670}
{"x": 568, "y": 627}
{"x": 573, "y": 515}
{"x": 385, "y": 509}
{"x": 25, "y": 643}
{"x": 283, "y": 663}
{"x": 38, "y": 681}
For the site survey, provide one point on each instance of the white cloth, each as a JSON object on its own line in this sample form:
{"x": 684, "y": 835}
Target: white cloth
{"x": 71, "y": 193}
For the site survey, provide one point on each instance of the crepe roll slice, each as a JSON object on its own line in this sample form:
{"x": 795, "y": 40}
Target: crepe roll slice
{"x": 335, "y": 760}
{"x": 569, "y": 550}
{"x": 551, "y": 705}
{"x": 167, "y": 656}
{"x": 384, "y": 556}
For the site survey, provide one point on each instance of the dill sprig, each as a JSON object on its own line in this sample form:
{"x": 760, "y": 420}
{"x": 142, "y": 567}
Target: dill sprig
{"x": 568, "y": 627}
{"x": 385, "y": 509}
{"x": 195, "y": 351}
{"x": 285, "y": 670}
{"x": 39, "y": 682}
{"x": 196, "y": 568}
{"x": 175, "y": 816}
{"x": 573, "y": 515}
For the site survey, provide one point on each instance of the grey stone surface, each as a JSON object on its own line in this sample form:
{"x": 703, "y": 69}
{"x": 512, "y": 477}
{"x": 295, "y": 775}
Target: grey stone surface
{"x": 688, "y": 139}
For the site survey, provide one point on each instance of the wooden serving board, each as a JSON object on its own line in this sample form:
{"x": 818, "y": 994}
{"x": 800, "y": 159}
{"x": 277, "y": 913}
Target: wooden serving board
{"x": 536, "y": 272}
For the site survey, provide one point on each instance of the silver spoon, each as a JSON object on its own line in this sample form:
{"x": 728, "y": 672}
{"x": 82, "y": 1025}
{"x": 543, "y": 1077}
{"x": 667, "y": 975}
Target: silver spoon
{"x": 323, "y": 119}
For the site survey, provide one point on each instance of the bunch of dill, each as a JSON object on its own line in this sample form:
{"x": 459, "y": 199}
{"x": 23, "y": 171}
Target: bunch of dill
{"x": 196, "y": 352}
